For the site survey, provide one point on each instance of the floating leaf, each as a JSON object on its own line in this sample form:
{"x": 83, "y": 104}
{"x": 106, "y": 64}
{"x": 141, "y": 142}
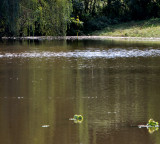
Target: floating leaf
{"x": 77, "y": 118}
{"x": 151, "y": 122}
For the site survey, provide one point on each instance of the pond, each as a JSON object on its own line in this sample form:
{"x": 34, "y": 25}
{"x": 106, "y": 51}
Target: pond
{"x": 114, "y": 85}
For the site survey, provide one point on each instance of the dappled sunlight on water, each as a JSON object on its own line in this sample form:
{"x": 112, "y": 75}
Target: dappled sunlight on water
{"x": 111, "y": 53}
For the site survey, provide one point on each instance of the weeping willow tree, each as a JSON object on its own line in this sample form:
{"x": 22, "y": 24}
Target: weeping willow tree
{"x": 30, "y": 21}
{"x": 44, "y": 17}
{"x": 9, "y": 12}
{"x": 34, "y": 17}
{"x": 58, "y": 13}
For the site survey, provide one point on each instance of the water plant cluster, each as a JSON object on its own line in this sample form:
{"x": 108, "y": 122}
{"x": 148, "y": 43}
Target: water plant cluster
{"x": 152, "y": 123}
{"x": 77, "y": 118}
{"x": 152, "y": 126}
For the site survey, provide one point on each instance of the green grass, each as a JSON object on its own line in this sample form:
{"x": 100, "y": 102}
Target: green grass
{"x": 146, "y": 28}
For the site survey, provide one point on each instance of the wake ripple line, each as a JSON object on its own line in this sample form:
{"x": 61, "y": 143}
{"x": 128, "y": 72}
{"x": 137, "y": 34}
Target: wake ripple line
{"x": 112, "y": 53}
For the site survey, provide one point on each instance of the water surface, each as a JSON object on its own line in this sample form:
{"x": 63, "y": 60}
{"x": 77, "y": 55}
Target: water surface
{"x": 114, "y": 85}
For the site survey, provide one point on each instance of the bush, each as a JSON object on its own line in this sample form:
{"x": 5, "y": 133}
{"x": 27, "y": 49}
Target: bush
{"x": 99, "y": 23}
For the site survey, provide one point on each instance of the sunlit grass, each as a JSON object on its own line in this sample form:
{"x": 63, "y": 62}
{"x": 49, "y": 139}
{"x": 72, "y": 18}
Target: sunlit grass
{"x": 146, "y": 28}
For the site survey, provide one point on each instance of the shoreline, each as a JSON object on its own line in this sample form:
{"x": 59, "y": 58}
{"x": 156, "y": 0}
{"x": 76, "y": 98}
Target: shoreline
{"x": 41, "y": 38}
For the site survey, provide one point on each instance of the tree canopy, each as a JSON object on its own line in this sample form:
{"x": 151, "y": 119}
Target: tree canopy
{"x": 56, "y": 17}
{"x": 34, "y": 17}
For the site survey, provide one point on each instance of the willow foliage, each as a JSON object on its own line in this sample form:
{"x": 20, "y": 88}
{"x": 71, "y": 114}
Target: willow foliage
{"x": 9, "y": 11}
{"x": 44, "y": 17}
{"x": 50, "y": 17}
{"x": 56, "y": 16}
{"x": 34, "y": 17}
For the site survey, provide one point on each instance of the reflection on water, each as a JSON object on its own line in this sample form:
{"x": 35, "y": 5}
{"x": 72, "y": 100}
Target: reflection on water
{"x": 113, "y": 85}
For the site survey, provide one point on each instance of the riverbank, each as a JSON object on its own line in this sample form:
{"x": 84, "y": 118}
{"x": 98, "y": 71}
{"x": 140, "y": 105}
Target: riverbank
{"x": 146, "y": 29}
{"x": 122, "y": 38}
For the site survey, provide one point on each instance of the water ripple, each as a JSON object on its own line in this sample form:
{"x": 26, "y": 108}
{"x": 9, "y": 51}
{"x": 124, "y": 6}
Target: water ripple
{"x": 111, "y": 53}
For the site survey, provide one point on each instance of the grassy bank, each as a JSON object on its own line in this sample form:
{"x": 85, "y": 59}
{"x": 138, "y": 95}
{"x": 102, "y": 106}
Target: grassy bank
{"x": 146, "y": 28}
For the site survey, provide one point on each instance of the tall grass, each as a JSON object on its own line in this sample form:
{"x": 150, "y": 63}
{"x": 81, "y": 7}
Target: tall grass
{"x": 145, "y": 28}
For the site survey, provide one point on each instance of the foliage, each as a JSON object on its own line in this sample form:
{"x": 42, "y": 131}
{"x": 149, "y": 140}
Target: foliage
{"x": 45, "y": 17}
{"x": 78, "y": 118}
{"x": 57, "y": 17}
{"x": 97, "y": 14}
{"x": 34, "y": 17}
{"x": 99, "y": 23}
{"x": 114, "y": 9}
{"x": 75, "y": 26}
{"x": 76, "y": 21}
{"x": 153, "y": 126}
{"x": 151, "y": 122}
{"x": 8, "y": 17}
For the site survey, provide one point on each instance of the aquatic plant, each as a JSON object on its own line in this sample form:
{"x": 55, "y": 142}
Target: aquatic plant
{"x": 152, "y": 123}
{"x": 77, "y": 118}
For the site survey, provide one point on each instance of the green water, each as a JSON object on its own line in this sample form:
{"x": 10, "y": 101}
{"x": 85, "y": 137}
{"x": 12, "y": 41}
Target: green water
{"x": 114, "y": 85}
